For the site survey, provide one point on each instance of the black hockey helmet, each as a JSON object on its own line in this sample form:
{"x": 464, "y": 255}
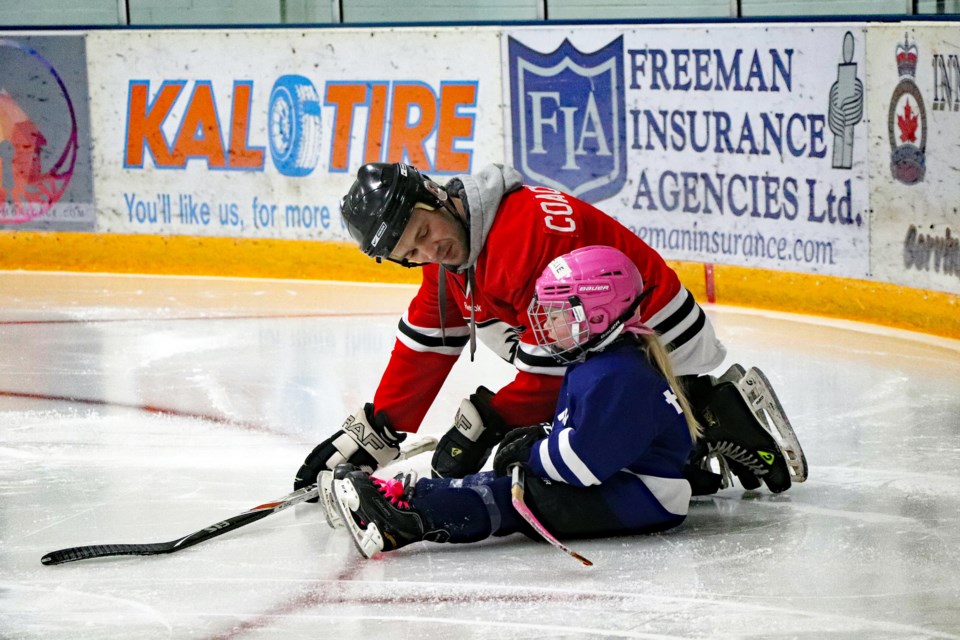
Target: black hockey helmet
{"x": 378, "y": 206}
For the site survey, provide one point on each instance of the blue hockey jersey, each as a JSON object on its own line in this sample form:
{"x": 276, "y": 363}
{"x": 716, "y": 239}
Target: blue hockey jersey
{"x": 617, "y": 414}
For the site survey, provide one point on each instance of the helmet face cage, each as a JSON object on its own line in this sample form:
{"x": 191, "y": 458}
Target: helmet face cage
{"x": 561, "y": 327}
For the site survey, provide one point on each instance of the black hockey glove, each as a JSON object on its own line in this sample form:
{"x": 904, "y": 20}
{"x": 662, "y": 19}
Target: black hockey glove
{"x": 366, "y": 440}
{"x": 516, "y": 447}
{"x": 466, "y": 446}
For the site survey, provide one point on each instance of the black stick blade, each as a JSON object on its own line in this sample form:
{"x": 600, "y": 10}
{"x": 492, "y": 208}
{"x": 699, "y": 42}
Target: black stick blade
{"x": 105, "y": 550}
{"x": 151, "y": 549}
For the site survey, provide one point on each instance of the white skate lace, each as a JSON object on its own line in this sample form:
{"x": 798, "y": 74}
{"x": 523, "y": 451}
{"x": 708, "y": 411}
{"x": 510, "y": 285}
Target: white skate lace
{"x": 737, "y": 453}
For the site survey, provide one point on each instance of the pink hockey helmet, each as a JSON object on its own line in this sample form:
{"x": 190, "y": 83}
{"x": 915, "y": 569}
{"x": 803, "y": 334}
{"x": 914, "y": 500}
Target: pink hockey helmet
{"x": 584, "y": 300}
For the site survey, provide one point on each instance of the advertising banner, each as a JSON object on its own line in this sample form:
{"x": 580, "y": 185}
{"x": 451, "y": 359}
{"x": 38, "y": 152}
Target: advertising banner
{"x": 260, "y": 133}
{"x": 742, "y": 145}
{"x": 915, "y": 155}
{"x": 45, "y": 177}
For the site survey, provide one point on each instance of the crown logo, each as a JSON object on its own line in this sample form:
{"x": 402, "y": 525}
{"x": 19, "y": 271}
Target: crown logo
{"x": 907, "y": 57}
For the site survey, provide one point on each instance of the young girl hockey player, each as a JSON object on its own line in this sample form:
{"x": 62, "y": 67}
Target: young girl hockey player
{"x": 611, "y": 462}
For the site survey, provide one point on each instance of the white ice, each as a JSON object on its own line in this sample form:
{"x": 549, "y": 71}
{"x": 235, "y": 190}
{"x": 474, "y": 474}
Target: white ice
{"x": 137, "y": 409}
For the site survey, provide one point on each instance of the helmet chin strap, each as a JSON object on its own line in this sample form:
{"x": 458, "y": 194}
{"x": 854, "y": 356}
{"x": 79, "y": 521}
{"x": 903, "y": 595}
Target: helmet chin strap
{"x": 615, "y": 329}
{"x": 610, "y": 336}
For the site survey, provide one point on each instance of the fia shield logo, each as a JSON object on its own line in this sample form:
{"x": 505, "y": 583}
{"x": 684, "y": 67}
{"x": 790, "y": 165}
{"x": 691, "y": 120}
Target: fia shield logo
{"x": 568, "y": 119}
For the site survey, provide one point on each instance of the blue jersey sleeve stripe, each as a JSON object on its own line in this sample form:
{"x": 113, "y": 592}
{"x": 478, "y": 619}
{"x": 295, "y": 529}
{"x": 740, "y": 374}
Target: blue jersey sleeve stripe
{"x": 542, "y": 455}
{"x": 556, "y": 458}
{"x": 577, "y": 467}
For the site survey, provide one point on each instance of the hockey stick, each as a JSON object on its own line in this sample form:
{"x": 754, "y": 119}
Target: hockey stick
{"x": 151, "y": 549}
{"x": 516, "y": 491}
{"x": 240, "y": 520}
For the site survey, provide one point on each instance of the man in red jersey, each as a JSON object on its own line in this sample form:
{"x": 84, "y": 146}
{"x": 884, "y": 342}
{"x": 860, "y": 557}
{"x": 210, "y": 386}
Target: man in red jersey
{"x": 482, "y": 241}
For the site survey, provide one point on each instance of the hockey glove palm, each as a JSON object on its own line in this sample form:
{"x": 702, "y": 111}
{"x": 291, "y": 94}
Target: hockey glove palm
{"x": 366, "y": 440}
{"x": 516, "y": 446}
{"x": 464, "y": 449}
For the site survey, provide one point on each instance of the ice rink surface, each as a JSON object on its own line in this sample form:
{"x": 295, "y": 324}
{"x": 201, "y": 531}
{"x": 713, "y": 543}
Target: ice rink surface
{"x": 137, "y": 409}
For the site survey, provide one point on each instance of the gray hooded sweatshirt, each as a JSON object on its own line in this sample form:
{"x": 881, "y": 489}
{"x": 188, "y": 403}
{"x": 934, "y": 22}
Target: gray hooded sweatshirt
{"x": 481, "y": 194}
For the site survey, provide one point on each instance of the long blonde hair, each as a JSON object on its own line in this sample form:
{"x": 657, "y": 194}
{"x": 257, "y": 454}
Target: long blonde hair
{"x": 657, "y": 355}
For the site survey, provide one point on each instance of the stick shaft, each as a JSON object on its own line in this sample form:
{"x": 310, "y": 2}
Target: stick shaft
{"x": 516, "y": 492}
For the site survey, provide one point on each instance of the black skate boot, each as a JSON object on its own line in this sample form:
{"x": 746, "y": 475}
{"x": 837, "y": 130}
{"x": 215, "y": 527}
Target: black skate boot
{"x": 747, "y": 478}
{"x": 377, "y": 512}
{"x": 710, "y": 472}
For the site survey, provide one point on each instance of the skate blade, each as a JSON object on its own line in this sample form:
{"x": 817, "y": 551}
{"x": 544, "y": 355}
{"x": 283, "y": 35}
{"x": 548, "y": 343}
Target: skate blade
{"x": 763, "y": 402}
{"x": 368, "y": 540}
{"x": 327, "y": 501}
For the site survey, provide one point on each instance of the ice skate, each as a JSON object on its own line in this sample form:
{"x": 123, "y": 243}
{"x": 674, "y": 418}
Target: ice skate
{"x": 376, "y": 512}
{"x": 744, "y": 433}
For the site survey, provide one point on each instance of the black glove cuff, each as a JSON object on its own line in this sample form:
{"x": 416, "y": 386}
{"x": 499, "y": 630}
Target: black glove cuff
{"x": 516, "y": 447}
{"x": 381, "y": 423}
{"x": 492, "y": 420}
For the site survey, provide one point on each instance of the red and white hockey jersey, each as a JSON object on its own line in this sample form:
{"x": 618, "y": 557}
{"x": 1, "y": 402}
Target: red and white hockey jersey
{"x": 532, "y": 226}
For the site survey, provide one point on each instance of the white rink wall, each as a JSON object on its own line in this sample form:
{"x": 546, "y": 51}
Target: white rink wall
{"x": 817, "y": 148}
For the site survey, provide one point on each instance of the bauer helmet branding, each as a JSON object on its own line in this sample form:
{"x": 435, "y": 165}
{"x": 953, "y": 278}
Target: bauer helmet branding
{"x": 593, "y": 288}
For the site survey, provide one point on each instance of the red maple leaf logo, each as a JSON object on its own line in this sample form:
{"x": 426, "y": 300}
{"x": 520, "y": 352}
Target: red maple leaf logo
{"x": 908, "y": 125}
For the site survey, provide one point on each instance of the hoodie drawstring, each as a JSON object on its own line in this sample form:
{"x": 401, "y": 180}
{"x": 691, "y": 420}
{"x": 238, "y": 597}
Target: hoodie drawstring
{"x": 442, "y": 304}
{"x": 471, "y": 286}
